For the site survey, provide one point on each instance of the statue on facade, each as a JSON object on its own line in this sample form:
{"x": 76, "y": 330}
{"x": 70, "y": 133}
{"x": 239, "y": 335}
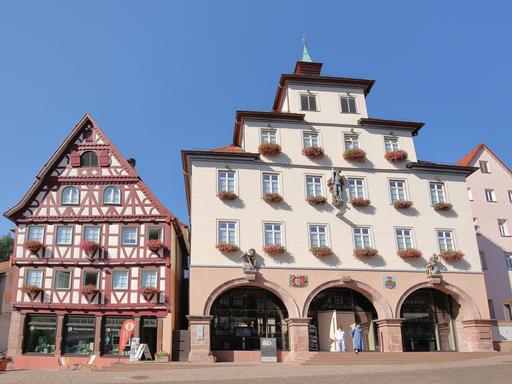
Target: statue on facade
{"x": 335, "y": 184}
{"x": 432, "y": 267}
{"x": 249, "y": 259}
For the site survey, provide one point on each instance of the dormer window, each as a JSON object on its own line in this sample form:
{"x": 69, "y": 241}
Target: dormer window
{"x": 112, "y": 195}
{"x": 308, "y": 103}
{"x": 348, "y": 104}
{"x": 89, "y": 159}
{"x": 70, "y": 196}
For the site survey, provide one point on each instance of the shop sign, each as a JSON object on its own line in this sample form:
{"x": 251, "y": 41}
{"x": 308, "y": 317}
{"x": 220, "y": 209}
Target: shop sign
{"x": 134, "y": 346}
{"x": 126, "y": 332}
{"x": 389, "y": 282}
{"x": 268, "y": 346}
{"x": 297, "y": 281}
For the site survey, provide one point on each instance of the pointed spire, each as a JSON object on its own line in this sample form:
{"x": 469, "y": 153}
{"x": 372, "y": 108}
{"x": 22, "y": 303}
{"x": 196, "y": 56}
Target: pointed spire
{"x": 305, "y": 54}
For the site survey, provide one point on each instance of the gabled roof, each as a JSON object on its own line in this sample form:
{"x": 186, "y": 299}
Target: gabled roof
{"x": 466, "y": 160}
{"x": 61, "y": 150}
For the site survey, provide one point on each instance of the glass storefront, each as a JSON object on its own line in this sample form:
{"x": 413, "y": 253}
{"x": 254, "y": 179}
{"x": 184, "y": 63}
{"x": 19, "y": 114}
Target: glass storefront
{"x": 110, "y": 335}
{"x": 241, "y": 316}
{"x": 428, "y": 324}
{"x": 40, "y": 334}
{"x": 78, "y": 338}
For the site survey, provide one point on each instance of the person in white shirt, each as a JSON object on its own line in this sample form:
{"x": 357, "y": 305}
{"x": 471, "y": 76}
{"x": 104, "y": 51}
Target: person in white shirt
{"x": 339, "y": 336}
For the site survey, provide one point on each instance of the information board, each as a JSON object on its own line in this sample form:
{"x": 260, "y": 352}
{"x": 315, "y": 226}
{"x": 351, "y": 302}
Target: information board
{"x": 268, "y": 346}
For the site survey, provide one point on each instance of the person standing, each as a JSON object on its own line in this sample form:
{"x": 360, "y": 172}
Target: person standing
{"x": 339, "y": 336}
{"x": 357, "y": 335}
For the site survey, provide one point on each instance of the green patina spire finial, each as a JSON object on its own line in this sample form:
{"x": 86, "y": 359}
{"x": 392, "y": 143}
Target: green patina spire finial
{"x": 305, "y": 53}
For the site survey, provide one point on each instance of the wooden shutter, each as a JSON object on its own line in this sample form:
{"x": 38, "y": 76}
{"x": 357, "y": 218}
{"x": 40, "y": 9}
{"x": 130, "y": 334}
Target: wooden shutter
{"x": 104, "y": 158}
{"x": 75, "y": 159}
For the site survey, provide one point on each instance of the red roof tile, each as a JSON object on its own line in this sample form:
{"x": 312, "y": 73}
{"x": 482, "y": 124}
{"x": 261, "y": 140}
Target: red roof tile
{"x": 466, "y": 160}
{"x": 229, "y": 148}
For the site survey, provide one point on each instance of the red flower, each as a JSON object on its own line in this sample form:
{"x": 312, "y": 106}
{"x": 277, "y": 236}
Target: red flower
{"x": 274, "y": 250}
{"x": 365, "y": 252}
{"x": 322, "y": 251}
{"x": 360, "y": 202}
{"x": 313, "y": 152}
{"x": 272, "y": 197}
{"x": 149, "y": 292}
{"x": 33, "y": 245}
{"x": 89, "y": 247}
{"x": 317, "y": 200}
{"x": 442, "y": 206}
{"x": 396, "y": 156}
{"x": 269, "y": 149}
{"x": 31, "y": 289}
{"x": 227, "y": 248}
{"x": 226, "y": 195}
{"x": 155, "y": 245}
{"x": 402, "y": 204}
{"x": 354, "y": 154}
{"x": 410, "y": 252}
{"x": 89, "y": 289}
{"x": 452, "y": 256}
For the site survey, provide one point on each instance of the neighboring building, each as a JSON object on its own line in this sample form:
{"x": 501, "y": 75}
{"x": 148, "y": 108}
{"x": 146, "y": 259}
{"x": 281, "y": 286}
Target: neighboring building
{"x": 490, "y": 193}
{"x": 234, "y": 195}
{"x": 5, "y": 303}
{"x": 93, "y": 247}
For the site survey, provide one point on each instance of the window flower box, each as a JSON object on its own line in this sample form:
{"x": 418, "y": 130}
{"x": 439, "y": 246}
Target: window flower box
{"x": 33, "y": 245}
{"x": 322, "y": 251}
{"x": 4, "y": 360}
{"x": 272, "y": 197}
{"x": 402, "y": 204}
{"x": 317, "y": 200}
{"x": 396, "y": 156}
{"x": 90, "y": 291}
{"x": 162, "y": 357}
{"x": 154, "y": 245}
{"x": 32, "y": 291}
{"x": 227, "y": 248}
{"x": 452, "y": 256}
{"x": 442, "y": 206}
{"x": 365, "y": 252}
{"x": 273, "y": 250}
{"x": 409, "y": 253}
{"x": 149, "y": 292}
{"x": 89, "y": 247}
{"x": 269, "y": 149}
{"x": 313, "y": 152}
{"x": 354, "y": 154}
{"x": 226, "y": 195}
{"x": 360, "y": 202}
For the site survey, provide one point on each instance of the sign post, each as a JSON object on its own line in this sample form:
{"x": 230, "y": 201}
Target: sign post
{"x": 268, "y": 346}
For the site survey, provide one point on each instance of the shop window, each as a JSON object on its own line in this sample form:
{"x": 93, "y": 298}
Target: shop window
{"x": 110, "y": 335}
{"x": 39, "y": 335}
{"x": 78, "y": 338}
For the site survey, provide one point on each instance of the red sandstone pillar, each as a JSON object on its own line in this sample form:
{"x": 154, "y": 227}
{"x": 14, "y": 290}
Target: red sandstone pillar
{"x": 97, "y": 335}
{"x": 477, "y": 336}
{"x": 298, "y": 332}
{"x": 58, "y": 335}
{"x": 199, "y": 331}
{"x": 390, "y": 335}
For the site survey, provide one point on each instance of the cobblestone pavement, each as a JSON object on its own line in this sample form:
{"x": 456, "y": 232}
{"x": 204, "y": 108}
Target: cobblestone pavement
{"x": 493, "y": 370}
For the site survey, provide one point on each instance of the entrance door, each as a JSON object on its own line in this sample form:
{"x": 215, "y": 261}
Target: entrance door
{"x": 326, "y": 329}
{"x": 148, "y": 333}
{"x": 419, "y": 334}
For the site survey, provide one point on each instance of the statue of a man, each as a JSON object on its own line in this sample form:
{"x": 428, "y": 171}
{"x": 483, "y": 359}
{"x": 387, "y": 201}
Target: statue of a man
{"x": 335, "y": 184}
{"x": 432, "y": 267}
{"x": 249, "y": 260}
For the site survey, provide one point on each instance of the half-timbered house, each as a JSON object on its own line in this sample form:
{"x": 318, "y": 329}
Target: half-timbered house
{"x": 93, "y": 248}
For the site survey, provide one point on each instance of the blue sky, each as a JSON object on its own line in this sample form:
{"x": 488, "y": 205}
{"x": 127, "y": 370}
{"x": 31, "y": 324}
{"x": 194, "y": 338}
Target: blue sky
{"x": 161, "y": 76}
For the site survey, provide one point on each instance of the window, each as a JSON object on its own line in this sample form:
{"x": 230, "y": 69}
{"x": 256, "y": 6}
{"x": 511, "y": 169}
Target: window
{"x": 149, "y": 279}
{"x": 483, "y": 262}
{"x": 308, "y": 103}
{"x": 508, "y": 311}
{"x": 62, "y": 280}
{"x": 510, "y": 196}
{"x": 268, "y": 136}
{"x": 64, "y": 235}
{"x": 89, "y": 159}
{"x": 39, "y": 335}
{"x": 476, "y": 225}
{"x": 92, "y": 234}
{"x": 226, "y": 181}
{"x": 130, "y": 235}
{"x": 484, "y": 166}
{"x": 227, "y": 232}
{"x": 470, "y": 194}
{"x": 78, "y": 337}
{"x": 503, "y": 226}
{"x": 397, "y": 188}
{"x": 112, "y": 195}
{"x": 36, "y": 233}
{"x": 508, "y": 261}
{"x": 310, "y": 139}
{"x": 91, "y": 278}
{"x": 445, "y": 240}
{"x": 120, "y": 280}
{"x": 155, "y": 233}
{"x": 490, "y": 195}
{"x": 391, "y": 144}
{"x": 362, "y": 237}
{"x": 352, "y": 141}
{"x": 355, "y": 188}
{"x": 437, "y": 194}
{"x": 313, "y": 186}
{"x": 318, "y": 236}
{"x": 110, "y": 335}
{"x": 403, "y": 238}
{"x": 34, "y": 277}
{"x": 491, "y": 309}
{"x": 348, "y": 104}
{"x": 273, "y": 234}
{"x": 270, "y": 183}
{"x": 70, "y": 195}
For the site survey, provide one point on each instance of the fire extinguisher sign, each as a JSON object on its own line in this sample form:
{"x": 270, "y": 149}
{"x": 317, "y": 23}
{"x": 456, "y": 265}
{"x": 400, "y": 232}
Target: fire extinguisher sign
{"x": 126, "y": 333}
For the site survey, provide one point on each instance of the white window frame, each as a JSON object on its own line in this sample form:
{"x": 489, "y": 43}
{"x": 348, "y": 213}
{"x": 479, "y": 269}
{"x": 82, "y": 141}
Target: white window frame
{"x": 266, "y": 132}
{"x": 349, "y": 137}
{"x": 282, "y": 232}
{"x": 317, "y": 234}
{"x": 70, "y": 272}
{"x": 236, "y": 229}
{"x": 263, "y": 174}
{"x": 309, "y": 134}
{"x": 136, "y": 236}
{"x": 392, "y": 145}
{"x": 86, "y": 228}
{"x": 402, "y": 235}
{"x": 470, "y": 194}
{"x": 390, "y": 189}
{"x": 67, "y": 227}
{"x": 356, "y": 106}
{"x": 508, "y": 261}
{"x": 503, "y": 228}
{"x": 437, "y": 192}
{"x": 219, "y": 178}
{"x": 363, "y": 185}
{"x": 490, "y": 195}
{"x": 308, "y": 95}
{"x": 355, "y": 233}
{"x": 148, "y": 271}
{"x": 124, "y": 272}
{"x": 72, "y": 201}
{"x": 439, "y": 239}
{"x": 41, "y": 277}
{"x": 484, "y": 166}
{"x": 314, "y": 186}
{"x": 29, "y": 229}
{"x": 112, "y": 200}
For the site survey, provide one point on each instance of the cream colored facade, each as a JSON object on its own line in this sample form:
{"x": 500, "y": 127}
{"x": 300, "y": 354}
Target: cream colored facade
{"x": 213, "y": 273}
